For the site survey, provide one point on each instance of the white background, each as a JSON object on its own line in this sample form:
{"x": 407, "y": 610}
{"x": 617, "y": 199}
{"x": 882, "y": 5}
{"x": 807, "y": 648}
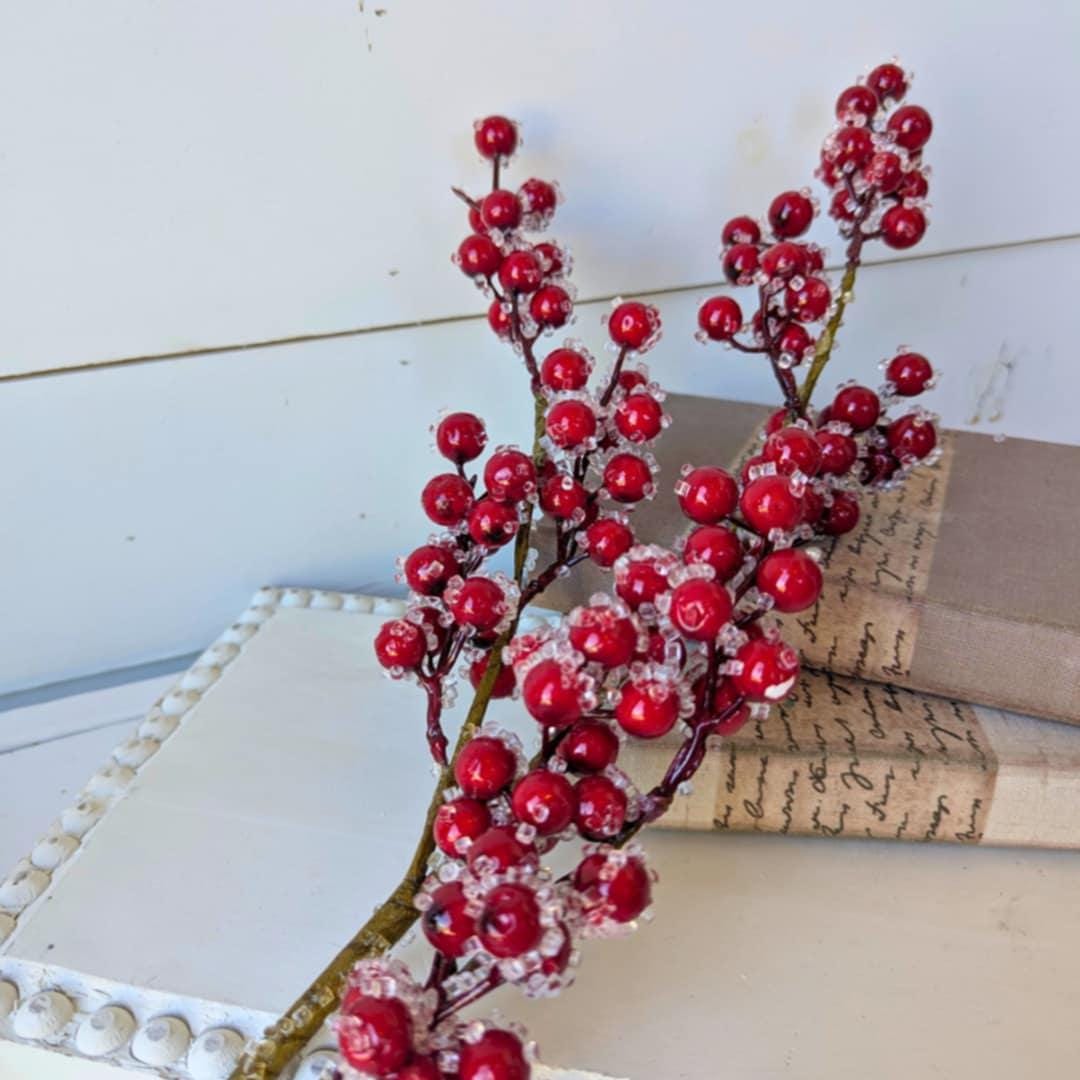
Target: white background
{"x": 206, "y": 179}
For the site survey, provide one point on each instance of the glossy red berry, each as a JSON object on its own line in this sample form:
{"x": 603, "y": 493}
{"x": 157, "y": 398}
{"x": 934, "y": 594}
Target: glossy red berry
{"x": 601, "y": 807}
{"x": 552, "y": 257}
{"x": 495, "y": 136}
{"x": 707, "y": 494}
{"x": 590, "y": 746}
{"x": 461, "y": 437}
{"x": 478, "y": 256}
{"x": 884, "y": 170}
{"x": 499, "y": 319}
{"x": 913, "y": 185}
{"x": 634, "y": 325}
{"x": 909, "y": 373}
{"x": 856, "y": 101}
{"x": 447, "y": 923}
{"x": 545, "y": 800}
{"x": 720, "y": 318}
{"x": 841, "y": 516}
{"x": 520, "y": 272}
{"x": 429, "y": 568}
{"x": 603, "y": 636}
{"x": 375, "y": 1034}
{"x": 769, "y": 670}
{"x": 497, "y": 850}
{"x": 624, "y": 894}
{"x": 700, "y": 608}
{"x": 777, "y": 419}
{"x": 888, "y": 81}
{"x": 479, "y": 602}
{"x": 878, "y": 466}
{"x": 492, "y": 523}
{"x": 460, "y": 820}
{"x": 400, "y": 644}
{"x": 790, "y": 214}
{"x": 420, "y": 1068}
{"x": 562, "y": 497}
{"x": 808, "y": 300}
{"x": 551, "y": 306}
{"x": 607, "y": 539}
{"x": 716, "y": 546}
{"x": 728, "y": 703}
{"x": 539, "y": 198}
{"x": 850, "y": 147}
{"x": 769, "y": 503}
{"x": 496, "y": 1055}
{"x": 640, "y": 581}
{"x": 627, "y": 478}
{"x": 509, "y": 475}
{"x": 551, "y": 695}
{"x": 476, "y": 222}
{"x": 793, "y": 449}
{"x": 843, "y": 207}
{"x": 912, "y": 127}
{"x": 783, "y": 260}
{"x": 631, "y": 379}
{"x": 510, "y": 924}
{"x": 903, "y": 226}
{"x": 792, "y": 578}
{"x": 911, "y": 436}
{"x": 504, "y": 681}
{"x": 838, "y": 452}
{"x": 740, "y": 263}
{"x": 794, "y": 341}
{"x": 484, "y": 767}
{"x": 741, "y": 230}
{"x": 500, "y": 209}
{"x": 813, "y": 503}
{"x": 570, "y": 424}
{"x": 447, "y": 498}
{"x": 858, "y": 406}
{"x": 565, "y": 369}
{"x": 647, "y": 708}
{"x": 639, "y": 418}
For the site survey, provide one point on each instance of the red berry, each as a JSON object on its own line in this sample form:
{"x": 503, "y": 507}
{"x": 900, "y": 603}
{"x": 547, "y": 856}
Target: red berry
{"x": 769, "y": 503}
{"x": 838, "y": 452}
{"x": 590, "y": 746}
{"x": 538, "y": 197}
{"x": 400, "y": 644}
{"x": 551, "y": 695}
{"x": 606, "y": 540}
{"x": 500, "y": 210}
{"x": 856, "y": 101}
{"x": 754, "y": 462}
{"x": 639, "y": 418}
{"x": 457, "y": 820}
{"x": 509, "y": 475}
{"x": 624, "y": 894}
{"x": 647, "y": 708}
{"x": 720, "y": 318}
{"x": 783, "y": 260}
{"x": 728, "y": 700}
{"x": 627, "y": 478}
{"x": 640, "y": 581}
{"x": 499, "y": 319}
{"x": 495, "y": 136}
{"x": 813, "y": 503}
{"x": 429, "y": 568}
{"x": 903, "y": 226}
{"x": 420, "y": 1068}
{"x": 497, "y": 850}
{"x": 913, "y": 185}
{"x": 375, "y": 1034}
{"x": 479, "y": 602}
{"x": 551, "y": 306}
{"x": 510, "y": 924}
{"x": 447, "y": 924}
{"x": 634, "y": 325}
{"x": 601, "y": 807}
{"x": 856, "y": 405}
{"x": 707, "y": 494}
{"x": 700, "y": 609}
{"x": 912, "y": 127}
{"x": 557, "y": 964}
{"x": 790, "y": 214}
{"x": 809, "y": 300}
{"x": 565, "y": 369}
{"x": 776, "y": 421}
{"x": 888, "y": 81}
{"x": 884, "y": 170}
{"x": 552, "y": 257}
{"x": 850, "y": 146}
{"x": 545, "y": 800}
{"x": 794, "y": 340}
{"x": 446, "y": 498}
{"x": 792, "y": 578}
{"x": 603, "y": 636}
{"x": 484, "y": 767}
{"x": 793, "y": 448}
{"x": 716, "y": 546}
{"x": 911, "y": 436}
{"x": 631, "y": 379}
{"x": 504, "y": 681}
{"x": 496, "y": 1055}
{"x": 430, "y": 618}
{"x": 814, "y": 256}
{"x": 460, "y": 437}
{"x": 520, "y": 272}
{"x": 570, "y": 424}
{"x": 492, "y": 524}
{"x": 476, "y": 222}
{"x": 740, "y": 263}
{"x": 843, "y": 207}
{"x": 769, "y": 670}
{"x": 741, "y": 230}
{"x": 909, "y": 373}
{"x": 841, "y": 516}
{"x": 478, "y": 256}
{"x": 878, "y": 467}
{"x": 562, "y": 497}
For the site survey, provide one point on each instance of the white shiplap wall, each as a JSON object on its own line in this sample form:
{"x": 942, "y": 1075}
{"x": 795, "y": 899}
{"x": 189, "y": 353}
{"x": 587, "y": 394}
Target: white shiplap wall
{"x": 186, "y": 175}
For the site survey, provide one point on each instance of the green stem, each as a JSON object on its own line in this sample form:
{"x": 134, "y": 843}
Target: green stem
{"x": 828, "y": 336}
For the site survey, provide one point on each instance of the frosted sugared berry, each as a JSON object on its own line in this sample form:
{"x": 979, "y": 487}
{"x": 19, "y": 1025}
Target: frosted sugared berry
{"x": 769, "y": 670}
{"x": 601, "y": 807}
{"x": 495, "y": 136}
{"x": 509, "y": 475}
{"x": 843, "y": 207}
{"x": 884, "y": 170}
{"x": 447, "y": 923}
{"x": 504, "y": 681}
{"x": 545, "y": 800}
{"x": 552, "y": 257}
{"x": 903, "y": 226}
{"x": 627, "y": 478}
{"x": 570, "y": 424}
{"x": 459, "y": 820}
{"x": 808, "y": 300}
{"x": 858, "y": 406}
{"x": 624, "y": 894}
{"x": 913, "y": 185}
{"x": 500, "y": 209}
{"x": 793, "y": 448}
{"x": 769, "y": 503}
{"x": 420, "y": 1068}
{"x": 539, "y": 198}
{"x": 911, "y": 436}
{"x": 707, "y": 494}
{"x": 590, "y": 746}
{"x": 551, "y": 695}
{"x": 699, "y": 609}
{"x": 562, "y": 497}
{"x": 841, "y": 516}
{"x": 375, "y": 1033}
{"x": 812, "y": 505}
{"x": 878, "y": 466}
{"x": 838, "y": 452}
{"x": 639, "y": 418}
{"x": 478, "y": 256}
{"x": 510, "y": 923}
{"x": 888, "y": 81}
{"x": 479, "y": 602}
{"x": 850, "y": 147}
{"x": 400, "y": 644}
{"x": 633, "y": 325}
{"x": 497, "y": 850}
{"x": 720, "y": 318}
{"x": 647, "y": 708}
{"x": 640, "y": 581}
{"x": 728, "y": 703}
{"x": 716, "y": 546}
{"x": 565, "y": 369}
{"x": 909, "y": 373}
{"x": 740, "y": 263}
{"x": 492, "y": 523}
{"x": 429, "y": 568}
{"x": 484, "y": 767}
{"x": 741, "y": 230}
{"x": 607, "y": 539}
{"x": 856, "y": 101}
{"x": 783, "y": 260}
{"x": 792, "y": 578}
{"x": 551, "y": 306}
{"x": 461, "y": 437}
{"x": 447, "y": 498}
{"x": 794, "y": 340}
{"x": 631, "y": 379}
{"x": 790, "y": 214}
{"x": 496, "y": 1055}
{"x": 499, "y": 319}
{"x": 603, "y": 636}
{"x": 520, "y": 272}
{"x": 911, "y": 127}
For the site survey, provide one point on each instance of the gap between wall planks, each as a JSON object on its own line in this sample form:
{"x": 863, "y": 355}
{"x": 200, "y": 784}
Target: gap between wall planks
{"x": 331, "y": 335}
